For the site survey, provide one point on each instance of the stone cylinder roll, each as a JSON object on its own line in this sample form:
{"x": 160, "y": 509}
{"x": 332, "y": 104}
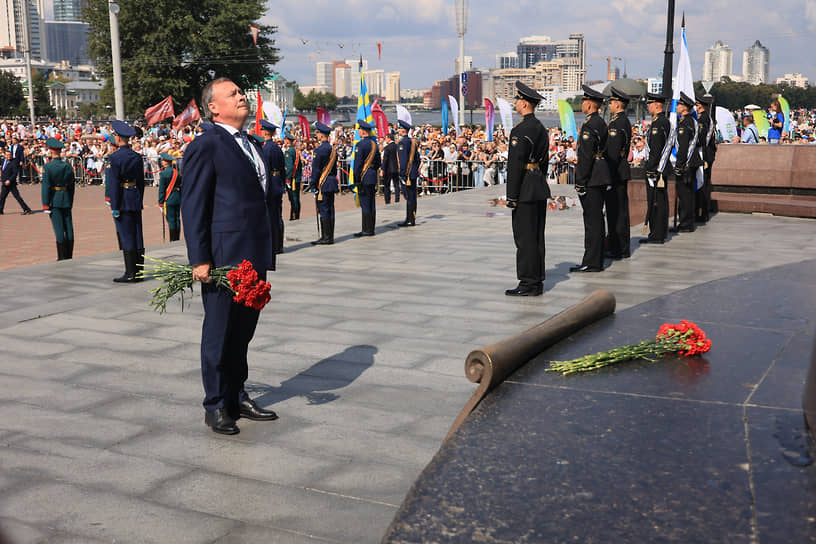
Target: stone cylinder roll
{"x": 491, "y": 365}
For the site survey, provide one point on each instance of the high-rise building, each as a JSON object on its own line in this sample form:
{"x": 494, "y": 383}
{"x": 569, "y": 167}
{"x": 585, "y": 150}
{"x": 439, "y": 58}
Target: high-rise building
{"x": 719, "y": 62}
{"x": 324, "y": 74}
{"x": 571, "y": 52}
{"x": 66, "y": 41}
{"x": 507, "y": 60}
{"x": 793, "y": 80}
{"x": 392, "y": 89}
{"x": 375, "y": 81}
{"x": 355, "y": 65}
{"x": 68, "y": 10}
{"x": 534, "y": 49}
{"x": 12, "y": 30}
{"x": 756, "y": 62}
{"x": 468, "y": 64}
{"x": 342, "y": 80}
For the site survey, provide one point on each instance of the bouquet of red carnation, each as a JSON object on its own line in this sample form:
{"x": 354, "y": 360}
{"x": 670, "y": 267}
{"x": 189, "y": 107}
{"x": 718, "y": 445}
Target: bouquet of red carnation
{"x": 242, "y": 281}
{"x": 685, "y": 338}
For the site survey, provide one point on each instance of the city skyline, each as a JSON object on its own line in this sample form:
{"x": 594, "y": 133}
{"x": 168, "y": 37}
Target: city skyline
{"x": 420, "y": 40}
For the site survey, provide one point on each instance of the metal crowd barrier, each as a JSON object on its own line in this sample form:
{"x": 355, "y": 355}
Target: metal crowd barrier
{"x": 87, "y": 170}
{"x": 439, "y": 176}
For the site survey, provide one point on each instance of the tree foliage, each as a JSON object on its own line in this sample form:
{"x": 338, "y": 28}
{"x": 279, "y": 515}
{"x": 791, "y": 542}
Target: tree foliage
{"x": 314, "y": 100}
{"x": 172, "y": 46}
{"x": 11, "y": 93}
{"x": 735, "y": 96}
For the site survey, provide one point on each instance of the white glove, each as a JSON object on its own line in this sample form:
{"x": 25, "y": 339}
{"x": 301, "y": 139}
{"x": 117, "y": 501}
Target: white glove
{"x": 651, "y": 182}
{"x": 47, "y": 212}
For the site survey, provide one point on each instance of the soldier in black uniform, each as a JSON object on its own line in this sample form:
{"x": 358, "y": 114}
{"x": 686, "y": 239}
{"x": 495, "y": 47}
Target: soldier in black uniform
{"x": 657, "y": 197}
{"x": 708, "y": 138}
{"x": 592, "y": 180}
{"x": 688, "y": 160}
{"x": 390, "y": 170}
{"x": 527, "y": 193}
{"x": 616, "y": 200}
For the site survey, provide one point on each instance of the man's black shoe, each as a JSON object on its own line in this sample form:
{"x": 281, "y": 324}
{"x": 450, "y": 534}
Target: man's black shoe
{"x": 221, "y": 422}
{"x": 651, "y": 241}
{"x": 524, "y": 292}
{"x": 251, "y": 410}
{"x": 585, "y": 268}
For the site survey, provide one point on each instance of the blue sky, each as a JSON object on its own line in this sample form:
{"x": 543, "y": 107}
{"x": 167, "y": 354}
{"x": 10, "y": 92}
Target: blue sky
{"x": 419, "y": 36}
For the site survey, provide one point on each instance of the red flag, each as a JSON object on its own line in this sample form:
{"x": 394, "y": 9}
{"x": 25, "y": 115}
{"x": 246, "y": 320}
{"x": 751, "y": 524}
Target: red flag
{"x": 186, "y": 117}
{"x": 304, "y": 127}
{"x": 380, "y": 120}
{"x": 323, "y": 117}
{"x": 254, "y": 31}
{"x": 258, "y": 114}
{"x": 160, "y": 111}
{"x": 379, "y": 51}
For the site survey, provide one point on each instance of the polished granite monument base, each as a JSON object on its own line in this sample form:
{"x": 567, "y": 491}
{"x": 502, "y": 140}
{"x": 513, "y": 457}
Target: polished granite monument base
{"x": 709, "y": 449}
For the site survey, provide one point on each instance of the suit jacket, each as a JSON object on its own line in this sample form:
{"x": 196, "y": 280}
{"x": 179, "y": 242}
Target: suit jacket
{"x": 223, "y": 205}
{"x": 389, "y": 159}
{"x": 276, "y": 164}
{"x": 17, "y": 154}
{"x": 9, "y": 174}
{"x": 369, "y": 177}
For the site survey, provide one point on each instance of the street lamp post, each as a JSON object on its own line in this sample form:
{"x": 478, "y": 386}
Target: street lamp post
{"x": 461, "y": 28}
{"x": 118, "y": 97}
{"x": 27, "y": 43}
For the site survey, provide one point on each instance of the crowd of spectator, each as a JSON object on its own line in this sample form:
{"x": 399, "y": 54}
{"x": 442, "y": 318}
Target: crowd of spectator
{"x": 449, "y": 161}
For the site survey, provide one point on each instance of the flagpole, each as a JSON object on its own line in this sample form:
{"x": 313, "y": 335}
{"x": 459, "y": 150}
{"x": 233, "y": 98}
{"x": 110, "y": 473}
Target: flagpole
{"x": 669, "y": 52}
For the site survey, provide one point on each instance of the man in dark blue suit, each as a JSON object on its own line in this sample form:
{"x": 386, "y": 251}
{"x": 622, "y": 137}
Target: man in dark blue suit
{"x": 324, "y": 183}
{"x": 18, "y": 155}
{"x": 390, "y": 171}
{"x": 8, "y": 183}
{"x": 366, "y": 163}
{"x": 276, "y": 163}
{"x": 126, "y": 187}
{"x": 408, "y": 160}
{"x": 226, "y": 220}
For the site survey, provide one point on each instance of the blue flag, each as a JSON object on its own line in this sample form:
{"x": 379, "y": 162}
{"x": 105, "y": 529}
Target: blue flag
{"x": 444, "y": 117}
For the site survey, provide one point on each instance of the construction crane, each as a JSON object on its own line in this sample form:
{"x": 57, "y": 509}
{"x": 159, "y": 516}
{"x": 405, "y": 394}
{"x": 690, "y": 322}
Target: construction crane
{"x": 610, "y": 76}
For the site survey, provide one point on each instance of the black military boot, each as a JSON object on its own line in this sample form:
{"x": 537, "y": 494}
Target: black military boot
{"x": 364, "y": 231}
{"x": 407, "y": 222}
{"x": 130, "y": 267}
{"x": 69, "y": 249}
{"x": 60, "y": 251}
{"x": 324, "y": 234}
{"x": 331, "y": 231}
{"x": 413, "y": 214}
{"x": 138, "y": 264}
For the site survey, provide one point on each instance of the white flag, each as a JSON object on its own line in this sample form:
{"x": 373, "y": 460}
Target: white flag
{"x": 726, "y": 125}
{"x": 455, "y": 112}
{"x": 404, "y": 115}
{"x": 506, "y": 114}
{"x": 272, "y": 113}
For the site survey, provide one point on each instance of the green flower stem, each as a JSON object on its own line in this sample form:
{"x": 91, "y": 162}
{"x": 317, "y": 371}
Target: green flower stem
{"x": 176, "y": 278}
{"x": 648, "y": 350}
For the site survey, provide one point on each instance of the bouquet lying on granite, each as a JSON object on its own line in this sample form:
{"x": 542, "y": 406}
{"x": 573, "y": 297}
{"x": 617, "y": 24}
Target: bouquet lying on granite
{"x": 241, "y": 281}
{"x": 684, "y": 338}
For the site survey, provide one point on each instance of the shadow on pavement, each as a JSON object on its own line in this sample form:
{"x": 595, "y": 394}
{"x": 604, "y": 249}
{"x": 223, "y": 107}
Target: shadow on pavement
{"x": 317, "y": 382}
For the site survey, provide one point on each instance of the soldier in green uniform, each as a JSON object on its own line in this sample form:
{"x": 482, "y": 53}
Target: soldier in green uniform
{"x": 170, "y": 195}
{"x": 294, "y": 175}
{"x": 58, "y": 198}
